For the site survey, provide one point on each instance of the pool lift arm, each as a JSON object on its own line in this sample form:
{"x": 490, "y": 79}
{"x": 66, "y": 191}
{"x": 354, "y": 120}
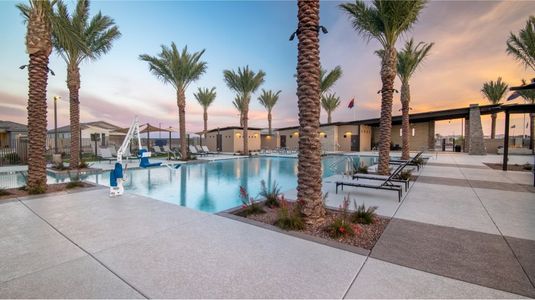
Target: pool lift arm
{"x": 117, "y": 176}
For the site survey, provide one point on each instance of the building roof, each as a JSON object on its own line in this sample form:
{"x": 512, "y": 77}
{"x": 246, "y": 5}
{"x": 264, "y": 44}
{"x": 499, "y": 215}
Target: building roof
{"x": 101, "y": 124}
{"x": 12, "y": 126}
{"x": 232, "y": 128}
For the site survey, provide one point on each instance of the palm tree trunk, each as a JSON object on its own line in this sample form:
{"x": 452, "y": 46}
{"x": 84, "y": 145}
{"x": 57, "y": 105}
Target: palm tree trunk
{"x": 308, "y": 92}
{"x": 73, "y": 83}
{"x": 532, "y": 132}
{"x": 245, "y": 130}
{"x": 38, "y": 77}
{"x": 405, "y": 122}
{"x": 388, "y": 74}
{"x": 205, "y": 118}
{"x": 181, "y": 102}
{"x": 493, "y": 126}
{"x": 329, "y": 119}
{"x": 269, "y": 121}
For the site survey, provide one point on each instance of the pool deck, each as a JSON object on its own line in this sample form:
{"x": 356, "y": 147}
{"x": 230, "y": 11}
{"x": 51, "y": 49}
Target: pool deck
{"x": 462, "y": 230}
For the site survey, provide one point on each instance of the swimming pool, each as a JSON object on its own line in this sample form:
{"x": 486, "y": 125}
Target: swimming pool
{"x": 213, "y": 186}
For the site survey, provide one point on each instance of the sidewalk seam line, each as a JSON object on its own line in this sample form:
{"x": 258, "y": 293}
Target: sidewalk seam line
{"x": 356, "y": 276}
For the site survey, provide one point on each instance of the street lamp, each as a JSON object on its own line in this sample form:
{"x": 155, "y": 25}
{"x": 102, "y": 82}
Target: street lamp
{"x": 56, "y": 98}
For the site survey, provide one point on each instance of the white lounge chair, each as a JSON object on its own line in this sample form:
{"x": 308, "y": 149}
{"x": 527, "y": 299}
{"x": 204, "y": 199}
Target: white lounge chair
{"x": 194, "y": 151}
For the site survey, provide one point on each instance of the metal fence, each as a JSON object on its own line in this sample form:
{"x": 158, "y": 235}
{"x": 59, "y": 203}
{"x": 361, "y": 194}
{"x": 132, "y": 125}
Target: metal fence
{"x": 15, "y": 154}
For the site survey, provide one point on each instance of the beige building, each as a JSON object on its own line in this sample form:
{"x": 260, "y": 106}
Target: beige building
{"x": 230, "y": 139}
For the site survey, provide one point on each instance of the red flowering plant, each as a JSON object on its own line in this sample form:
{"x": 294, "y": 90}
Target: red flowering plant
{"x": 289, "y": 216}
{"x": 249, "y": 205}
{"x": 341, "y": 226}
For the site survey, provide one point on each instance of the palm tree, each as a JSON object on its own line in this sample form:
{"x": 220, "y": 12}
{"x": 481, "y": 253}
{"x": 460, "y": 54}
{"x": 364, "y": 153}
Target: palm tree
{"x": 522, "y": 46}
{"x": 330, "y": 102}
{"x": 329, "y": 78}
{"x": 179, "y": 69}
{"x": 309, "y": 170}
{"x": 244, "y": 82}
{"x": 205, "y": 97}
{"x": 409, "y": 59}
{"x": 494, "y": 92}
{"x": 97, "y": 35}
{"x": 268, "y": 99}
{"x": 384, "y": 21}
{"x": 238, "y": 104}
{"x": 41, "y": 21}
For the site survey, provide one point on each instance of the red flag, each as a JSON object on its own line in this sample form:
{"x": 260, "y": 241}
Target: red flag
{"x": 351, "y": 103}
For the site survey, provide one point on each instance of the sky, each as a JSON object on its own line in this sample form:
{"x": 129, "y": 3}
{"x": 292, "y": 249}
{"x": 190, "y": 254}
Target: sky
{"x": 469, "y": 49}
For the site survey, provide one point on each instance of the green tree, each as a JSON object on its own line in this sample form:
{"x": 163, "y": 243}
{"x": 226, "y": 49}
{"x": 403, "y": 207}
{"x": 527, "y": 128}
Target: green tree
{"x": 205, "y": 97}
{"x": 268, "y": 99}
{"x": 238, "y": 104}
{"x": 522, "y": 46}
{"x": 41, "y": 21}
{"x": 529, "y": 97}
{"x": 245, "y": 83}
{"x": 330, "y": 102}
{"x": 179, "y": 69}
{"x": 97, "y": 36}
{"x": 494, "y": 92}
{"x": 329, "y": 78}
{"x": 384, "y": 21}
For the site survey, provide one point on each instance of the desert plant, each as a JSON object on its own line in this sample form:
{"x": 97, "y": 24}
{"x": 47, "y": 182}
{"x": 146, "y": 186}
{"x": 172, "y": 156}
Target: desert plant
{"x": 270, "y": 193}
{"x": 362, "y": 169}
{"x": 74, "y": 184}
{"x": 289, "y": 216}
{"x": 363, "y": 215}
{"x": 249, "y": 205}
{"x": 419, "y": 161}
{"x": 405, "y": 174}
{"x": 40, "y": 189}
{"x": 341, "y": 225}
{"x": 83, "y": 164}
{"x": 60, "y": 166}
{"x": 527, "y": 167}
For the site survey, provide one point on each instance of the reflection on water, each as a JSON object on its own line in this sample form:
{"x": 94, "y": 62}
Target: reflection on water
{"x": 209, "y": 187}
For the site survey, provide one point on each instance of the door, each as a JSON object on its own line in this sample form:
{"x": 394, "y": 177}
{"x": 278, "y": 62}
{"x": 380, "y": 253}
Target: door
{"x": 219, "y": 142}
{"x": 355, "y": 143}
{"x": 283, "y": 141}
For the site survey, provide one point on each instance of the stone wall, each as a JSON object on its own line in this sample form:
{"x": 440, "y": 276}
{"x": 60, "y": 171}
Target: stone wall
{"x": 476, "y": 144}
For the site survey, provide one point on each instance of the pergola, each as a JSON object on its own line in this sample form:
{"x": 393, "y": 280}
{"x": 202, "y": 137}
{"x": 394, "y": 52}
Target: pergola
{"x": 148, "y": 129}
{"x": 515, "y": 109}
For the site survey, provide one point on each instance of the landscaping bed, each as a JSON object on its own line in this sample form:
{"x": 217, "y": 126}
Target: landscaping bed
{"x": 511, "y": 167}
{"x": 365, "y": 237}
{"x": 6, "y": 194}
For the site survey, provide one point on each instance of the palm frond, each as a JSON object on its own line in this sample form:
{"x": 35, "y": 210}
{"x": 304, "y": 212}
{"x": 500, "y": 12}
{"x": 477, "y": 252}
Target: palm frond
{"x": 329, "y": 78}
{"x": 330, "y": 102}
{"x": 205, "y": 96}
{"x": 244, "y": 82}
{"x": 494, "y": 90}
{"x": 522, "y": 46}
{"x": 411, "y": 57}
{"x": 268, "y": 99}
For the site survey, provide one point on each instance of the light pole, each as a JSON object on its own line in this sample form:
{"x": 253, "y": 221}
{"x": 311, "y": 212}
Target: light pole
{"x": 56, "y": 98}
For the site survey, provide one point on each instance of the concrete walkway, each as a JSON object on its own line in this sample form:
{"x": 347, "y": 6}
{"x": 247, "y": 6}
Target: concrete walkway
{"x": 450, "y": 237}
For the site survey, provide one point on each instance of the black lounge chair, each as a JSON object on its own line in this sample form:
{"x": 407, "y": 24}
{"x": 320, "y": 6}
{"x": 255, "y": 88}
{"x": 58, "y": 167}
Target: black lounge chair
{"x": 386, "y": 184}
{"x": 411, "y": 162}
{"x": 394, "y": 176}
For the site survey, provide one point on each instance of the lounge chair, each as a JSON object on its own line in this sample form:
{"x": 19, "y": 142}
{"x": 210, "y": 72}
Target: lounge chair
{"x": 105, "y": 154}
{"x": 411, "y": 162}
{"x": 385, "y": 184}
{"x": 206, "y": 150}
{"x": 393, "y": 177}
{"x": 194, "y": 151}
{"x": 158, "y": 150}
{"x": 166, "y": 149}
{"x": 201, "y": 150}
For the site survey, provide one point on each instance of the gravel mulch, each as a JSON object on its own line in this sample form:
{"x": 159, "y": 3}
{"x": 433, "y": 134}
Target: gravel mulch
{"x": 511, "y": 167}
{"x": 51, "y": 188}
{"x": 366, "y": 238}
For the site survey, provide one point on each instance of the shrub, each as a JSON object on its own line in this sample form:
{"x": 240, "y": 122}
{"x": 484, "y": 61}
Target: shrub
{"x": 23, "y": 188}
{"x": 40, "y": 189}
{"x": 74, "y": 184}
{"x": 83, "y": 164}
{"x": 405, "y": 174}
{"x": 271, "y": 194}
{"x": 527, "y": 167}
{"x": 13, "y": 158}
{"x": 362, "y": 215}
{"x": 419, "y": 161}
{"x": 339, "y": 228}
{"x": 250, "y": 206}
{"x": 289, "y": 216}
{"x": 4, "y": 192}
{"x": 363, "y": 169}
{"x": 60, "y": 166}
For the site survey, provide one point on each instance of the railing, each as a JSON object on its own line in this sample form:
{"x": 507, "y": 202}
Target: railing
{"x": 346, "y": 162}
{"x": 15, "y": 154}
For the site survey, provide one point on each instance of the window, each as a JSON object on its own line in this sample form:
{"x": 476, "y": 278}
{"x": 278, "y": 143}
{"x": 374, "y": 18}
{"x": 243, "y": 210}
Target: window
{"x": 413, "y": 131}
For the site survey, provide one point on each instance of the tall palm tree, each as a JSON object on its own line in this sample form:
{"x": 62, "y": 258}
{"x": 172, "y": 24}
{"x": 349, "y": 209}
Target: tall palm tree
{"x": 244, "y": 82}
{"x": 238, "y": 104}
{"x": 97, "y": 35}
{"x": 409, "y": 59}
{"x": 329, "y": 78}
{"x": 330, "y": 102}
{"x": 179, "y": 69}
{"x": 308, "y": 93}
{"x": 494, "y": 92}
{"x": 268, "y": 99}
{"x": 522, "y": 46}
{"x": 205, "y": 97}
{"x": 384, "y": 21}
{"x": 41, "y": 21}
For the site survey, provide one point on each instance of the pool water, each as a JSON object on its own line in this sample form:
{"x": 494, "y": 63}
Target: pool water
{"x": 213, "y": 186}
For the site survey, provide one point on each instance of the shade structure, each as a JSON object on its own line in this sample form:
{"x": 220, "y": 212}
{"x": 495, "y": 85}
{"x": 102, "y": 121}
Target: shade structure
{"x": 529, "y": 86}
{"x": 149, "y": 128}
